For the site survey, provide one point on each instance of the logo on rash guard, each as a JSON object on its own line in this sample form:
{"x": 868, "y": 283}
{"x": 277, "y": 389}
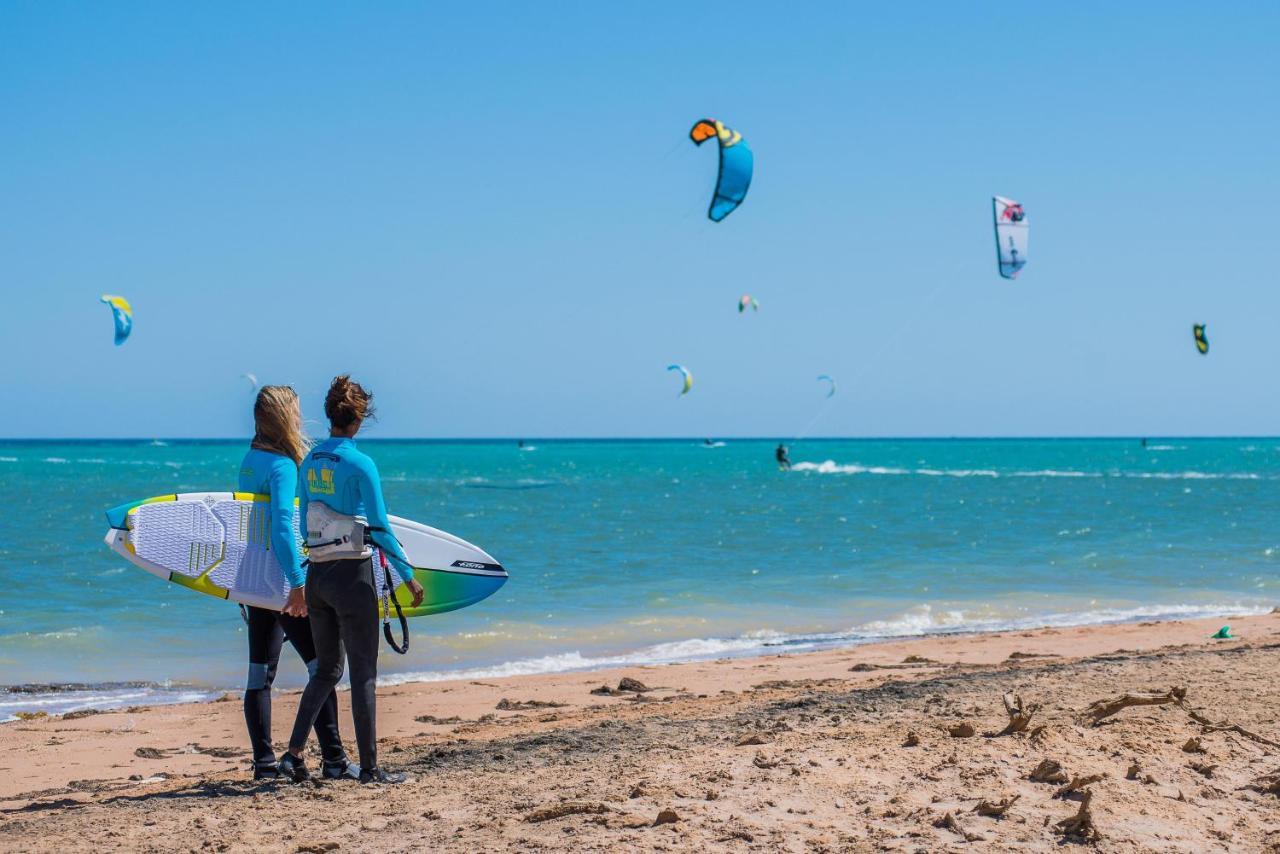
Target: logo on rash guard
{"x": 322, "y": 484}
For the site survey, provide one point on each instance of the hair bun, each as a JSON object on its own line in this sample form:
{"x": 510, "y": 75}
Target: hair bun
{"x": 347, "y": 402}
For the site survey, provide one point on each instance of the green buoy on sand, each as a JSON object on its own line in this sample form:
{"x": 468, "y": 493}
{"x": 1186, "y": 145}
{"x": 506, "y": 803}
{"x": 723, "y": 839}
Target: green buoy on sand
{"x": 1223, "y": 633}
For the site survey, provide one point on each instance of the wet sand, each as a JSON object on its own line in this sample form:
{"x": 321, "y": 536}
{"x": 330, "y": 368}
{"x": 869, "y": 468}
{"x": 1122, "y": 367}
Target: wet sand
{"x": 921, "y": 745}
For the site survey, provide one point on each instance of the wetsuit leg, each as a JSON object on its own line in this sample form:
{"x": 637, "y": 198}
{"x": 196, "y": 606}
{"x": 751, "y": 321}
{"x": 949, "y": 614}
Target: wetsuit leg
{"x": 356, "y": 601}
{"x": 297, "y": 630}
{"x": 327, "y": 638}
{"x": 265, "y": 638}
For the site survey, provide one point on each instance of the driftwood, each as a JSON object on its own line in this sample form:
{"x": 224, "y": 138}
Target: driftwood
{"x": 1048, "y": 771}
{"x": 562, "y": 810}
{"x": 996, "y": 809}
{"x": 1100, "y": 710}
{"x": 1078, "y": 783}
{"x": 948, "y": 821}
{"x": 1019, "y": 714}
{"x": 1226, "y": 726}
{"x": 1080, "y": 825}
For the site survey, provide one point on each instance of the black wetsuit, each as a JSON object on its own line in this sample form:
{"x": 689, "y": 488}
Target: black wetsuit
{"x": 267, "y": 632}
{"x": 781, "y": 456}
{"x": 342, "y": 605}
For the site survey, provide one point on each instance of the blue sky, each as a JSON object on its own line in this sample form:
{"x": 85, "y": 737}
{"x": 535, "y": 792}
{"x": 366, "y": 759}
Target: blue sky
{"x": 491, "y": 214}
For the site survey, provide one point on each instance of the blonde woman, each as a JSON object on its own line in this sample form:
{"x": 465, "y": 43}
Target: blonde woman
{"x": 271, "y": 468}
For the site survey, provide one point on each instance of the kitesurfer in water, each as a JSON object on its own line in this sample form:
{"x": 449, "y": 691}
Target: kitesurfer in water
{"x": 341, "y": 505}
{"x": 271, "y": 468}
{"x": 782, "y": 456}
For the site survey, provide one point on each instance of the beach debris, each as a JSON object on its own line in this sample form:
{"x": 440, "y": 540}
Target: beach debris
{"x": 919, "y": 660}
{"x": 1210, "y": 725}
{"x": 626, "y": 683}
{"x": 505, "y": 705}
{"x": 1204, "y": 768}
{"x": 1048, "y": 771}
{"x": 1223, "y": 633}
{"x": 667, "y": 816}
{"x": 81, "y": 713}
{"x": 30, "y": 716}
{"x": 432, "y": 719}
{"x": 1267, "y": 784}
{"x": 1022, "y": 656}
{"x": 762, "y": 761}
{"x": 1193, "y": 745}
{"x": 1081, "y": 826}
{"x": 316, "y": 847}
{"x": 948, "y": 822}
{"x": 961, "y": 730}
{"x": 912, "y": 739}
{"x": 996, "y": 809}
{"x": 751, "y": 738}
{"x": 1100, "y": 710}
{"x": 1078, "y": 783}
{"x": 1019, "y": 713}
{"x": 638, "y": 790}
{"x": 567, "y": 808}
{"x": 1134, "y": 770}
{"x": 149, "y": 753}
{"x": 736, "y": 833}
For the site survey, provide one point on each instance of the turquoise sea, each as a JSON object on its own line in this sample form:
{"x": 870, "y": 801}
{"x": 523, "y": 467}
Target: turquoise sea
{"x": 651, "y": 551}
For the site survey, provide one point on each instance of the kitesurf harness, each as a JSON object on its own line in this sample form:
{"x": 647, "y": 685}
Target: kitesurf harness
{"x": 336, "y": 536}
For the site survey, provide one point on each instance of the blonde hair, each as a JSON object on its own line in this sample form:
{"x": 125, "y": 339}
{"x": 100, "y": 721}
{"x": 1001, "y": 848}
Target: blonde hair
{"x": 277, "y": 422}
{"x": 347, "y": 402}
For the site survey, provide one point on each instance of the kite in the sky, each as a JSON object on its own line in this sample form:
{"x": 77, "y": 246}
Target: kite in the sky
{"x": 122, "y": 312}
{"x": 1011, "y": 236}
{"x": 747, "y": 301}
{"x": 253, "y": 380}
{"x": 688, "y": 378}
{"x": 832, "y": 390}
{"x": 736, "y": 166}
{"x": 1202, "y": 343}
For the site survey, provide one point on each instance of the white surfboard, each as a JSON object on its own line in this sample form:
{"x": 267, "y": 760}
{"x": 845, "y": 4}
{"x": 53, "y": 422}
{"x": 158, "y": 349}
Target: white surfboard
{"x": 218, "y": 543}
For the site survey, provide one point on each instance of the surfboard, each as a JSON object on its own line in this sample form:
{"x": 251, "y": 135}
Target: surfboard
{"x": 218, "y": 543}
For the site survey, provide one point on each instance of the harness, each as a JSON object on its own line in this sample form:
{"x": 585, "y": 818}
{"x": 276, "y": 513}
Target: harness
{"x": 336, "y": 536}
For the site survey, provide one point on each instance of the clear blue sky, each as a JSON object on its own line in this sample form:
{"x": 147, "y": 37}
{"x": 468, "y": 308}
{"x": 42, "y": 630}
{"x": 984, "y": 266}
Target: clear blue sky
{"x": 492, "y": 215}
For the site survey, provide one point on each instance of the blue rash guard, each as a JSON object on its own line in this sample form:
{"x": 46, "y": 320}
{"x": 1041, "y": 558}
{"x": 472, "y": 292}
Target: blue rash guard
{"x": 337, "y": 474}
{"x": 265, "y": 473}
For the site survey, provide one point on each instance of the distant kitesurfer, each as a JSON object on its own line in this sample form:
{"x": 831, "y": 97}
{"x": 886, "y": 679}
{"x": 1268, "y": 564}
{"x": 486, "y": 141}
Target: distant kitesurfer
{"x": 342, "y": 509}
{"x": 271, "y": 468}
{"x": 1144, "y": 443}
{"x": 520, "y": 443}
{"x": 783, "y": 458}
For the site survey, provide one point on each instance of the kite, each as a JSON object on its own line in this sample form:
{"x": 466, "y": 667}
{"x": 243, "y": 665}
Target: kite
{"x": 831, "y": 391}
{"x": 747, "y": 301}
{"x": 1011, "y": 236}
{"x": 1202, "y": 343}
{"x": 122, "y": 312}
{"x": 736, "y": 166}
{"x": 253, "y": 380}
{"x": 688, "y": 378}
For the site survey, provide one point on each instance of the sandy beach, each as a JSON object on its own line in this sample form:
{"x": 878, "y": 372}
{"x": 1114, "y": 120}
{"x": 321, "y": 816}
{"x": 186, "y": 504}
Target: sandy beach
{"x": 1008, "y": 740}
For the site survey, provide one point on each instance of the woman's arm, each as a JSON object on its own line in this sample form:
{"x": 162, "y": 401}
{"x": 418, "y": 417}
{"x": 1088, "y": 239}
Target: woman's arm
{"x": 284, "y": 489}
{"x": 375, "y": 509}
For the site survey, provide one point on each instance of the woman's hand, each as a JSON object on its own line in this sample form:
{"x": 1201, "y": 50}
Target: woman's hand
{"x": 296, "y": 604}
{"x": 416, "y": 589}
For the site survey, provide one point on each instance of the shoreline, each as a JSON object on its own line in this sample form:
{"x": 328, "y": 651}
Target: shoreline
{"x": 490, "y": 753}
{"x": 57, "y": 698}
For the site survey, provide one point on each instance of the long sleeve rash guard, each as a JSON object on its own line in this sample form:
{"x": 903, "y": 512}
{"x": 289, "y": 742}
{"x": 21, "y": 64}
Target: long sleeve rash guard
{"x": 265, "y": 473}
{"x": 340, "y": 476}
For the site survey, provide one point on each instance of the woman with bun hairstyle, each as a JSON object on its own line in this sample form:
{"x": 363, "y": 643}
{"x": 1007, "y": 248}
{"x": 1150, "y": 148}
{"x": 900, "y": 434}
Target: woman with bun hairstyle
{"x": 341, "y": 507}
{"x": 270, "y": 467}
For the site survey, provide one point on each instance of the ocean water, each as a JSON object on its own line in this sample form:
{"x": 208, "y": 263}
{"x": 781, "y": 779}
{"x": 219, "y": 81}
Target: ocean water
{"x": 626, "y": 552}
